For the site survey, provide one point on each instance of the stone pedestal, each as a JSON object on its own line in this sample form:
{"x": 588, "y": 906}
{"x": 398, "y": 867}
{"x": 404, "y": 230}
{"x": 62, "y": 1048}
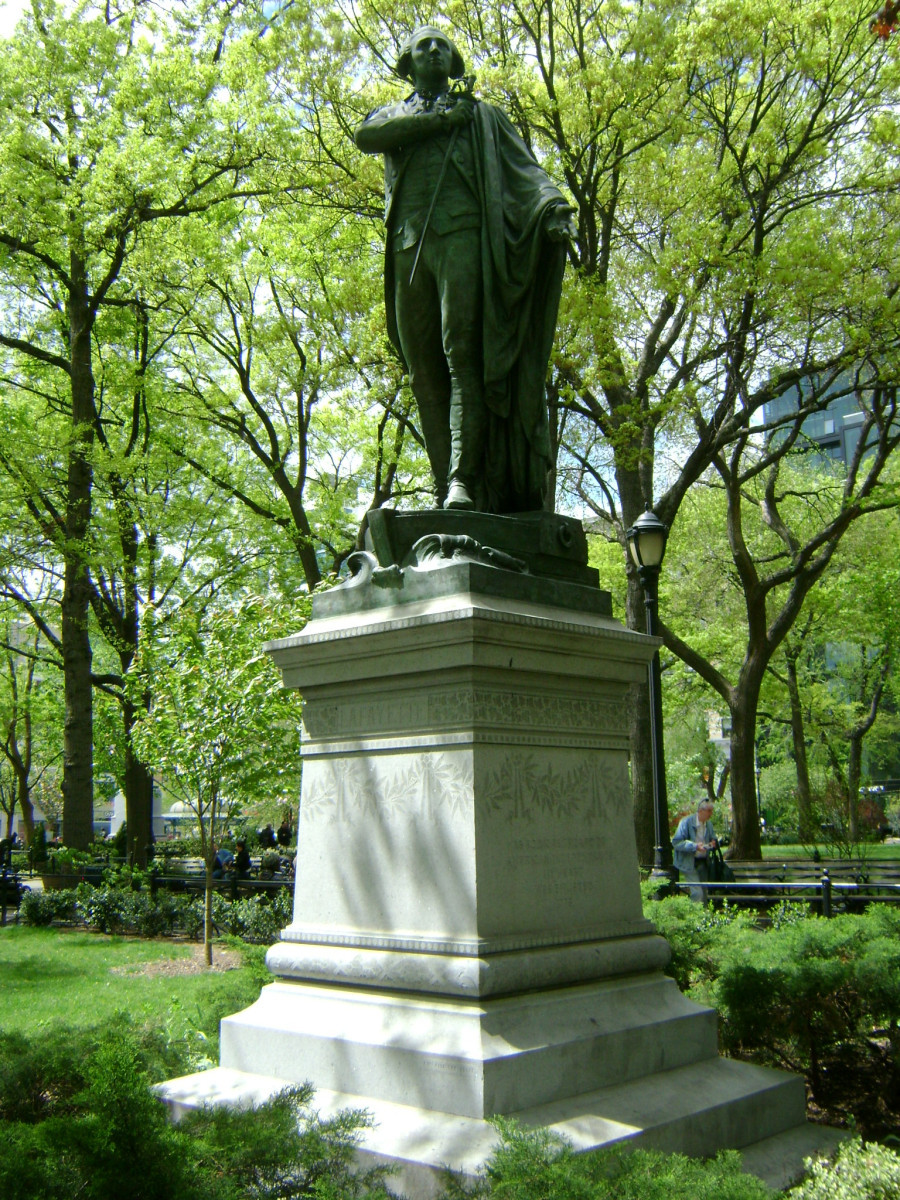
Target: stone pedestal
{"x": 468, "y": 938}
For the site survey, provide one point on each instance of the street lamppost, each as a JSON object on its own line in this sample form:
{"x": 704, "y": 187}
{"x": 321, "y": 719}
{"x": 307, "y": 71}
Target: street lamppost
{"x": 647, "y": 543}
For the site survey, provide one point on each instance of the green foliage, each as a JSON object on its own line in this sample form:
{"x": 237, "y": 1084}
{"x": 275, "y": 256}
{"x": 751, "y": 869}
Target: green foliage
{"x": 533, "y": 1164}
{"x": 77, "y": 1117}
{"x": 180, "y": 847}
{"x": 39, "y": 844}
{"x": 110, "y": 909}
{"x": 221, "y": 728}
{"x": 43, "y": 1076}
{"x": 283, "y": 1150}
{"x": 118, "y": 843}
{"x": 794, "y": 992}
{"x": 65, "y": 858}
{"x": 43, "y": 908}
{"x": 859, "y": 1171}
{"x": 696, "y": 935}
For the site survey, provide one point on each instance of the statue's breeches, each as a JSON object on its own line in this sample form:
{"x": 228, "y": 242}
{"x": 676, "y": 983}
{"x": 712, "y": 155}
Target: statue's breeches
{"x": 439, "y": 320}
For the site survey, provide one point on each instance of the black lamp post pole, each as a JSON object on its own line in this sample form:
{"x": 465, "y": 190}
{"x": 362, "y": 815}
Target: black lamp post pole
{"x": 662, "y": 850}
{"x": 647, "y": 545}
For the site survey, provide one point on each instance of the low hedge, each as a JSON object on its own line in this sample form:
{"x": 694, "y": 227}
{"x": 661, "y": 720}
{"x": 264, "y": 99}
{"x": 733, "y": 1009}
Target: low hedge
{"x": 795, "y": 991}
{"x": 84, "y": 1122}
{"x": 534, "y": 1164}
{"x": 110, "y": 909}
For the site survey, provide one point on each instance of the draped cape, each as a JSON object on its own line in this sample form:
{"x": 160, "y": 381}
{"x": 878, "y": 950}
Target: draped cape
{"x": 522, "y": 272}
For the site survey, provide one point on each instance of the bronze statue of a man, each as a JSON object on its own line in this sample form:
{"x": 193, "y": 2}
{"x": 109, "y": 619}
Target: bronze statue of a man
{"x": 474, "y": 262}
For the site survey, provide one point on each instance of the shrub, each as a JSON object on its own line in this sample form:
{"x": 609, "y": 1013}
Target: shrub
{"x": 697, "y": 935}
{"x": 804, "y": 989}
{"x": 101, "y": 908}
{"x": 43, "y": 908}
{"x": 534, "y": 1164}
{"x": 181, "y": 847}
{"x": 110, "y": 909}
{"x": 38, "y": 847}
{"x": 793, "y": 993}
{"x": 41, "y": 1078}
{"x": 98, "y": 1133}
{"x": 118, "y": 843}
{"x": 858, "y": 1172}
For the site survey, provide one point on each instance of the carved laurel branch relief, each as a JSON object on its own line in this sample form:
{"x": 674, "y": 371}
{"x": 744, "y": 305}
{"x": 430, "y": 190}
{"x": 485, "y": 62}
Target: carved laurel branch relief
{"x": 345, "y": 789}
{"x": 522, "y": 787}
{"x": 526, "y": 786}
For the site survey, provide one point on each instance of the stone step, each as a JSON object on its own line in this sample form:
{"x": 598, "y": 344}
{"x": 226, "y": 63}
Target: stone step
{"x": 470, "y": 1057}
{"x": 779, "y": 1160}
{"x": 719, "y": 1103}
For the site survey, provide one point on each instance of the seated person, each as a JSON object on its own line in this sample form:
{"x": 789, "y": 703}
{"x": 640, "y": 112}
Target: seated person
{"x": 222, "y": 863}
{"x": 242, "y": 859}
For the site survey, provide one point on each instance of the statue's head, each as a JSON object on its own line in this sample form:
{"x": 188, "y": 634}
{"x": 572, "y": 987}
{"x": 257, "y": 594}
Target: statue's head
{"x": 421, "y": 38}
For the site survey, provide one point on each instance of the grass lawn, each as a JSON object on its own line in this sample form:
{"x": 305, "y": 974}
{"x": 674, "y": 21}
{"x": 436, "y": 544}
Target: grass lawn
{"x": 81, "y": 979}
{"x": 871, "y": 852}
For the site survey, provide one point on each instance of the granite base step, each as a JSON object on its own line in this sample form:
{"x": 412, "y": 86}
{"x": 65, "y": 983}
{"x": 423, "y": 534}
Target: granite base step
{"x": 719, "y": 1102}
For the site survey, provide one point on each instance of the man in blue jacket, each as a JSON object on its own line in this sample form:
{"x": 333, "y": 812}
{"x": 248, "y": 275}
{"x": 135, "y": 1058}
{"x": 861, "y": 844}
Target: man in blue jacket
{"x": 691, "y": 844}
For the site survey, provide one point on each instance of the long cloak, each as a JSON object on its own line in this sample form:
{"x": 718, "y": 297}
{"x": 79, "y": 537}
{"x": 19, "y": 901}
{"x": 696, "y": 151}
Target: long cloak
{"x": 522, "y": 272}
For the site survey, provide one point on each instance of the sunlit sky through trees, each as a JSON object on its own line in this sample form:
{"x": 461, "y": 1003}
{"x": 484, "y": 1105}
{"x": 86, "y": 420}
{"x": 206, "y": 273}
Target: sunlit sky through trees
{"x": 10, "y": 11}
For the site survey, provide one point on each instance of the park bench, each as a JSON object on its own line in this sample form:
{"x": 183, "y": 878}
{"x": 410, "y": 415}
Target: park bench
{"x": 839, "y": 885}
{"x": 12, "y": 889}
{"x": 189, "y": 875}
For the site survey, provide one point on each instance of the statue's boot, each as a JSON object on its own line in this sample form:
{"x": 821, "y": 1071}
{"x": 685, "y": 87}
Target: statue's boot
{"x": 468, "y": 421}
{"x": 458, "y": 495}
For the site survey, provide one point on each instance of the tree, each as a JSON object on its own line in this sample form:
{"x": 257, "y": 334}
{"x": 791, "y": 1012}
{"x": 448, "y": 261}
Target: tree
{"x": 117, "y": 120}
{"x": 309, "y": 422}
{"x": 785, "y": 521}
{"x": 20, "y": 660}
{"x": 220, "y": 730}
{"x": 840, "y": 667}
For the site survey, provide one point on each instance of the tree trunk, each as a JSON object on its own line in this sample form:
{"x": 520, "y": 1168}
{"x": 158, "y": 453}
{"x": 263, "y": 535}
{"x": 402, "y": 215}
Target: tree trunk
{"x": 28, "y": 819}
{"x": 78, "y": 781}
{"x": 23, "y": 796}
{"x": 805, "y": 819}
{"x": 854, "y": 775}
{"x": 745, "y": 836}
{"x": 207, "y": 911}
{"x": 138, "y": 787}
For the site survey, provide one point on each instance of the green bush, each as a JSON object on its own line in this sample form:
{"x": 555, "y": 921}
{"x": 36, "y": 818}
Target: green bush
{"x": 110, "y": 909}
{"x": 533, "y": 1164}
{"x": 697, "y": 935}
{"x": 859, "y": 1172}
{"x": 181, "y": 847}
{"x": 795, "y": 992}
{"x": 102, "y": 908}
{"x": 78, "y": 1118}
{"x": 118, "y": 843}
{"x": 43, "y": 908}
{"x": 805, "y": 989}
{"x": 41, "y": 1078}
{"x": 38, "y": 847}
